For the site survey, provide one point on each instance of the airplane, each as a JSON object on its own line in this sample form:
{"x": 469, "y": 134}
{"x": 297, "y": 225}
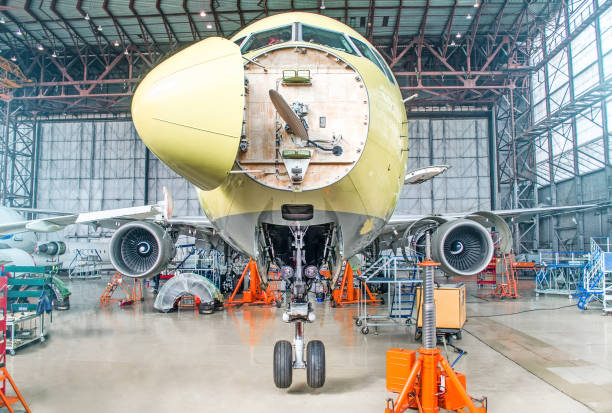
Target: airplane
{"x": 23, "y": 249}
{"x": 294, "y": 135}
{"x": 16, "y": 249}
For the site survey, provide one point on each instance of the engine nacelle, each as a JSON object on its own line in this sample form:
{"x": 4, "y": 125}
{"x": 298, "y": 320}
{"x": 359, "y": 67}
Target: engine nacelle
{"x": 52, "y": 248}
{"x": 462, "y": 247}
{"x": 141, "y": 249}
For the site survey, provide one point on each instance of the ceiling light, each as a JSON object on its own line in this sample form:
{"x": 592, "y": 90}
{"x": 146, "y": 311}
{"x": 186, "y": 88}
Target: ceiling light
{"x": 458, "y": 35}
{"x": 208, "y": 26}
{"x": 53, "y": 54}
{"x": 469, "y": 16}
{"x": 202, "y": 13}
{"x": 476, "y": 4}
{"x": 322, "y": 5}
{"x": 125, "y": 52}
{"x": 13, "y": 58}
{"x": 453, "y": 43}
{"x": 18, "y": 33}
{"x": 99, "y": 28}
{"x": 116, "y": 43}
{"x": 2, "y": 21}
{"x": 86, "y": 16}
{"x": 40, "y": 47}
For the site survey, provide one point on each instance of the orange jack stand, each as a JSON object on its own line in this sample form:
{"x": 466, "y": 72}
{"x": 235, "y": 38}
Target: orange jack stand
{"x": 133, "y": 293}
{"x": 431, "y": 384}
{"x": 347, "y": 293}
{"x": 255, "y": 294}
{"x": 8, "y": 401}
{"x": 508, "y": 287}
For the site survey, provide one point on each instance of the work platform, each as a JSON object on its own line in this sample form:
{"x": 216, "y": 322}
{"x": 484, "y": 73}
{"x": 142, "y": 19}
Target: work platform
{"x": 560, "y": 272}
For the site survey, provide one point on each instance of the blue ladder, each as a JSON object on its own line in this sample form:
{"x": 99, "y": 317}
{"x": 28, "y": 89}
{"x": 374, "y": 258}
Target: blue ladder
{"x": 404, "y": 298}
{"x": 587, "y": 294}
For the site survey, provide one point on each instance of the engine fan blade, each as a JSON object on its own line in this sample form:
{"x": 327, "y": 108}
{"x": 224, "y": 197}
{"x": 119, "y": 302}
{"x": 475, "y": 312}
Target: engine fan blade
{"x": 288, "y": 115}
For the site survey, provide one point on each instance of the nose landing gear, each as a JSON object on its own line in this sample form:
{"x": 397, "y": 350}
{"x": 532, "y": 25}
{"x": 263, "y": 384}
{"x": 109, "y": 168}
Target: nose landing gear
{"x": 299, "y": 312}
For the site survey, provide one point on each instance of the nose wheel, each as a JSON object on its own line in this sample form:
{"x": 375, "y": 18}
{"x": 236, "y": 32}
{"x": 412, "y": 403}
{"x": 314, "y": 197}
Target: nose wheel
{"x": 315, "y": 364}
{"x": 284, "y": 364}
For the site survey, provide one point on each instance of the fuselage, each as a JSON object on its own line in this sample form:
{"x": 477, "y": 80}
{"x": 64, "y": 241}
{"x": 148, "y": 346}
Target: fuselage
{"x": 16, "y": 249}
{"x": 353, "y": 102}
{"x": 25, "y": 241}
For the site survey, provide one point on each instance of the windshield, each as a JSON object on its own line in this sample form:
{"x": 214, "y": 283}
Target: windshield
{"x": 267, "y": 38}
{"x": 328, "y": 38}
{"x": 371, "y": 55}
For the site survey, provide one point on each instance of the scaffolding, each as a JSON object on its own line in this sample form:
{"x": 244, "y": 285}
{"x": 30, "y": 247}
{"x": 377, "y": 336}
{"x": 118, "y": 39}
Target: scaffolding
{"x": 86, "y": 264}
{"x": 401, "y": 275}
{"x": 201, "y": 261}
{"x": 560, "y": 272}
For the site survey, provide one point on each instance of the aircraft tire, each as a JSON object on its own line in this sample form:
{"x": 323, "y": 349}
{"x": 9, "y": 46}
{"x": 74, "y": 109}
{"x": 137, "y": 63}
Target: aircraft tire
{"x": 315, "y": 364}
{"x": 283, "y": 364}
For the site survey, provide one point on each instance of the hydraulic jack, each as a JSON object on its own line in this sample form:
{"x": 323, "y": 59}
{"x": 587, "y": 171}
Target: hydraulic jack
{"x": 429, "y": 382}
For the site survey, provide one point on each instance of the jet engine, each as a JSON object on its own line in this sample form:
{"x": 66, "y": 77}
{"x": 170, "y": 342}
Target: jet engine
{"x": 52, "y": 248}
{"x": 141, "y": 249}
{"x": 462, "y": 247}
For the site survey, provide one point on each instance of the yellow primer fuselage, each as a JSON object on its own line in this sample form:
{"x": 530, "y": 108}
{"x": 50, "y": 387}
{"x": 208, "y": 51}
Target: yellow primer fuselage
{"x": 360, "y": 202}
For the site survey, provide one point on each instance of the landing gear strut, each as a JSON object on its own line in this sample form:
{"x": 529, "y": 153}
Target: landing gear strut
{"x": 299, "y": 312}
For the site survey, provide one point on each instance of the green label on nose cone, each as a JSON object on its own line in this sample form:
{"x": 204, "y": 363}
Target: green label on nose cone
{"x": 296, "y": 154}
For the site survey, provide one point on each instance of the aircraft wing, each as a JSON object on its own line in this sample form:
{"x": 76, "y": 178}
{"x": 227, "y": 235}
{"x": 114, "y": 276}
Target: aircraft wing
{"x": 109, "y": 219}
{"x": 400, "y": 227}
{"x": 515, "y": 215}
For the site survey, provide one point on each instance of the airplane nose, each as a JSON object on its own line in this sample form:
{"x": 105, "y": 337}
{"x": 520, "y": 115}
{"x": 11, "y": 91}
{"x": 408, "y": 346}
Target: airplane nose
{"x": 189, "y": 110}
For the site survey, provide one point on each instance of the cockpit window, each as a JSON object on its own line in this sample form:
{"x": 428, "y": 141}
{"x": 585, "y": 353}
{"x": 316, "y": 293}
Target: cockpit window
{"x": 386, "y": 68}
{"x": 267, "y": 38}
{"x": 328, "y": 38}
{"x": 239, "y": 40}
{"x": 372, "y": 56}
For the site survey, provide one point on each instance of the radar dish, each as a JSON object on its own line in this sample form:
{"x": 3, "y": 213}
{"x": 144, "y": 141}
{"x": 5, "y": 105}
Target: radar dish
{"x": 288, "y": 115}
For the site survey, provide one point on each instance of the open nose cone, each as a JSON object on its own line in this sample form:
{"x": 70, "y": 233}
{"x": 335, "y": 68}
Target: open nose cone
{"x": 189, "y": 110}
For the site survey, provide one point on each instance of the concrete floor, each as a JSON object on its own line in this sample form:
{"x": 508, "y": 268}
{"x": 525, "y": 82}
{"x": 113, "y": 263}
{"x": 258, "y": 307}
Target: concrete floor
{"x": 136, "y": 360}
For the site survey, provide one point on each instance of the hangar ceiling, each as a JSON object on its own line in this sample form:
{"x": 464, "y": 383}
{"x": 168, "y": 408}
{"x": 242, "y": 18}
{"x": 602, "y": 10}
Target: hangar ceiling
{"x": 88, "y": 55}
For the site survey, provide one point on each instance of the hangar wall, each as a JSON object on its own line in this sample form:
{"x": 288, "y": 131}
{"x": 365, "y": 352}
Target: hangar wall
{"x": 89, "y": 166}
{"x": 94, "y": 165}
{"x": 464, "y": 145}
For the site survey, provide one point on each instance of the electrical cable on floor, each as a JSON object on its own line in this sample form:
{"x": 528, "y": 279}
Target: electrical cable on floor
{"x": 521, "y": 312}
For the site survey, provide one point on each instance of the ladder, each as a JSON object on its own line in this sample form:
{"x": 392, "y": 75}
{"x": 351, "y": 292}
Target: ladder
{"x": 596, "y": 281}
{"x": 86, "y": 264}
{"x": 132, "y": 293}
{"x": 507, "y": 280}
{"x": 401, "y": 275}
{"x": 404, "y": 297}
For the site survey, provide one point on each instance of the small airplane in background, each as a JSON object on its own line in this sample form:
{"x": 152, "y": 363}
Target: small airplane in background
{"x": 294, "y": 135}
{"x": 17, "y": 248}
{"x": 22, "y": 248}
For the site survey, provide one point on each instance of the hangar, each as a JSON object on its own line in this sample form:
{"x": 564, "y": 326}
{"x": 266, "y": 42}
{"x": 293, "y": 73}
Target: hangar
{"x": 275, "y": 162}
